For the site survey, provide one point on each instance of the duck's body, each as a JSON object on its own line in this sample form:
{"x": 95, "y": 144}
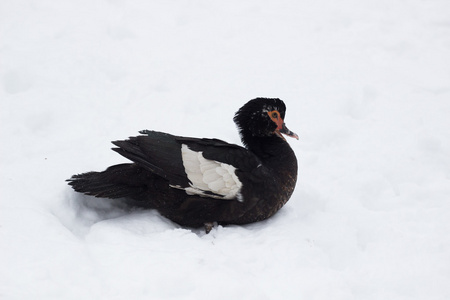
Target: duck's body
{"x": 196, "y": 182}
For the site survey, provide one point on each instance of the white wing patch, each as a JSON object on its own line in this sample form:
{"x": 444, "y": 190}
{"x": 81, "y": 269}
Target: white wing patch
{"x": 209, "y": 176}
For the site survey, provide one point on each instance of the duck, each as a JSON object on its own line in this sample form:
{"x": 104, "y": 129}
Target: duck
{"x": 204, "y": 182}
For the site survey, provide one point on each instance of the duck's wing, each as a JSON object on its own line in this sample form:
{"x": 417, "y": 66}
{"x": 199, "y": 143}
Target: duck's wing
{"x": 156, "y": 152}
{"x": 205, "y": 167}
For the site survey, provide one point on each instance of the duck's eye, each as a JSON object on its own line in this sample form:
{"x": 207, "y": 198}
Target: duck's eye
{"x": 274, "y": 115}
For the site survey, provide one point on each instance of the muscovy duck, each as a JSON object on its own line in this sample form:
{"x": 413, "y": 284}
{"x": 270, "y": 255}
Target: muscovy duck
{"x": 201, "y": 182}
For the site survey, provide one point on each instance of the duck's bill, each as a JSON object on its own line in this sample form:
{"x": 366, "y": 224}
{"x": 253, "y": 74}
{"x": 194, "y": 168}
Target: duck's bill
{"x": 284, "y": 130}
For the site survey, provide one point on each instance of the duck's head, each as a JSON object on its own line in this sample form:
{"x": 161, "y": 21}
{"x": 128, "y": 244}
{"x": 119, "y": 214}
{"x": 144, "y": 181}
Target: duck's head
{"x": 262, "y": 117}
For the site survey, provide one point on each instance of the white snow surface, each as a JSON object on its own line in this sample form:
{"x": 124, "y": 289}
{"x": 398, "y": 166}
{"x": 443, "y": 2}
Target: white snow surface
{"x": 367, "y": 89}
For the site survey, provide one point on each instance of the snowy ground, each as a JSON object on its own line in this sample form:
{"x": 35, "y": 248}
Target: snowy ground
{"x": 367, "y": 85}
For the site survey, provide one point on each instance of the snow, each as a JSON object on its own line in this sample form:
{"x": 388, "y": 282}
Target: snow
{"x": 367, "y": 89}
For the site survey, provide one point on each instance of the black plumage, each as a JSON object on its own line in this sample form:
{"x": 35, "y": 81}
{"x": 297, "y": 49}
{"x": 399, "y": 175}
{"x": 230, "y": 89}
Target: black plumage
{"x": 196, "y": 182}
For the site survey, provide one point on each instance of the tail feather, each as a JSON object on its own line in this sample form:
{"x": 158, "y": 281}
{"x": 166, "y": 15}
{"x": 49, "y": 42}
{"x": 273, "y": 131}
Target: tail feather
{"x": 114, "y": 182}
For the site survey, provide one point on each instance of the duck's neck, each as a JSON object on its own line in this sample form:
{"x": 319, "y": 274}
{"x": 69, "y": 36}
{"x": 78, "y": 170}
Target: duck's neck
{"x": 271, "y": 150}
{"x": 278, "y": 157}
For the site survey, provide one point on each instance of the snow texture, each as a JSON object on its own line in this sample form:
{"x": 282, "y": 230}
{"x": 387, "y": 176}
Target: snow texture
{"x": 367, "y": 88}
